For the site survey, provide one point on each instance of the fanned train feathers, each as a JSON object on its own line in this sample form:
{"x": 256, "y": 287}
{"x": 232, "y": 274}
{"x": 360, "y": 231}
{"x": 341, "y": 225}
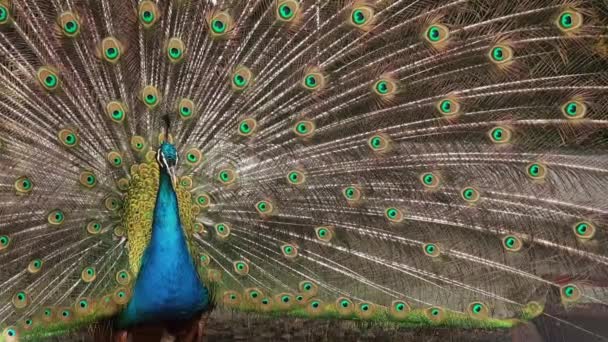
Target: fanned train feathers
{"x": 425, "y": 163}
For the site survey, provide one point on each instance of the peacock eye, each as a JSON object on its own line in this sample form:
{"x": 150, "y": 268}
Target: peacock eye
{"x": 112, "y": 49}
{"x": 35, "y": 266}
{"x": 324, "y": 233}
{"x": 20, "y": 300}
{"x": 477, "y": 310}
{"x": 23, "y": 185}
{"x": 569, "y": 20}
{"x": 204, "y": 259}
{"x": 361, "y": 17}
{"x": 56, "y": 217}
{"x": 194, "y": 157}
{"x": 241, "y": 268}
{"x": 313, "y": 81}
{"x": 115, "y": 159}
{"x": 68, "y": 138}
{"x": 570, "y": 293}
{"x": 304, "y": 128}
{"x": 436, "y": 34}
{"x": 378, "y": 143}
{"x": 88, "y": 274}
{"x": 394, "y": 215}
{"x": 218, "y": 26}
{"x": 175, "y": 53}
{"x": 432, "y": 250}
{"x": 470, "y": 195}
{"x": 148, "y": 13}
{"x": 111, "y": 53}
{"x": 241, "y": 78}
{"x": 88, "y": 179}
{"x": 93, "y": 227}
{"x": 4, "y": 15}
{"x": 247, "y": 127}
{"x": 434, "y": 313}
{"x": 222, "y": 230}
{"x": 296, "y": 177}
{"x": 138, "y": 143}
{"x": 50, "y": 81}
{"x": 116, "y": 111}
{"x": 536, "y": 171}
{"x": 574, "y": 109}
{"x": 175, "y": 50}
{"x": 203, "y": 200}
{"x": 512, "y": 243}
{"x": 501, "y": 54}
{"x": 382, "y": 87}
{"x": 429, "y": 180}
{"x": 4, "y": 241}
{"x": 448, "y": 107}
{"x": 352, "y": 193}
{"x": 123, "y": 277}
{"x": 344, "y": 305}
{"x": 112, "y": 203}
{"x": 226, "y": 176}
{"x": 287, "y": 10}
{"x": 584, "y": 230}
{"x": 147, "y": 16}
{"x": 48, "y": 78}
{"x": 150, "y": 96}
{"x": 69, "y": 24}
{"x": 290, "y": 251}
{"x": 264, "y": 207}
{"x": 500, "y": 135}
{"x": 185, "y": 109}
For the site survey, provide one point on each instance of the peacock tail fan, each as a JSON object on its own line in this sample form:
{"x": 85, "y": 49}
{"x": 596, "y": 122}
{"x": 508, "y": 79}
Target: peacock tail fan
{"x": 418, "y": 163}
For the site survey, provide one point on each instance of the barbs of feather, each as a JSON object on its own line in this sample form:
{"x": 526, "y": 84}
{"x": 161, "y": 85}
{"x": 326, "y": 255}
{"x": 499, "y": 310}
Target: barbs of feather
{"x": 416, "y": 164}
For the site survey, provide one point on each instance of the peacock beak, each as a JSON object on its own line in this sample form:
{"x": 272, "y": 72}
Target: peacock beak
{"x": 171, "y": 170}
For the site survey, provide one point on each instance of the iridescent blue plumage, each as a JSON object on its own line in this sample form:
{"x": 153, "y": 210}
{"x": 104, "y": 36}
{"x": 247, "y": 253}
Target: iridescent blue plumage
{"x": 168, "y": 286}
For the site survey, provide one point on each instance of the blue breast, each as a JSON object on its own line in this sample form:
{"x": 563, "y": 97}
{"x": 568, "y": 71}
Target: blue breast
{"x": 168, "y": 286}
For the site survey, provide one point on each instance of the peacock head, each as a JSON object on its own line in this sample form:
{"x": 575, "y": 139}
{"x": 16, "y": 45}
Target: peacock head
{"x": 167, "y": 159}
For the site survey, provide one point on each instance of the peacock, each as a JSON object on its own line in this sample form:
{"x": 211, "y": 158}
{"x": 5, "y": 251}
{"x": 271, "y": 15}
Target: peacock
{"x": 407, "y": 163}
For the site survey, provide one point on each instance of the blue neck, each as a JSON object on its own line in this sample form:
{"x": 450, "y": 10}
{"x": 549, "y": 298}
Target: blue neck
{"x": 167, "y": 286}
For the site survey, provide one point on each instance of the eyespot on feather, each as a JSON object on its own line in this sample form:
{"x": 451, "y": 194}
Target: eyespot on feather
{"x": 241, "y": 78}
{"x": 176, "y": 50}
{"x": 48, "y": 78}
{"x": 435, "y": 314}
{"x": 111, "y": 50}
{"x": 23, "y": 185}
{"x": 69, "y": 23}
{"x": 220, "y": 24}
{"x": 148, "y": 13}
{"x": 68, "y": 137}
{"x": 116, "y": 111}
{"x": 150, "y": 96}
{"x": 185, "y": 109}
